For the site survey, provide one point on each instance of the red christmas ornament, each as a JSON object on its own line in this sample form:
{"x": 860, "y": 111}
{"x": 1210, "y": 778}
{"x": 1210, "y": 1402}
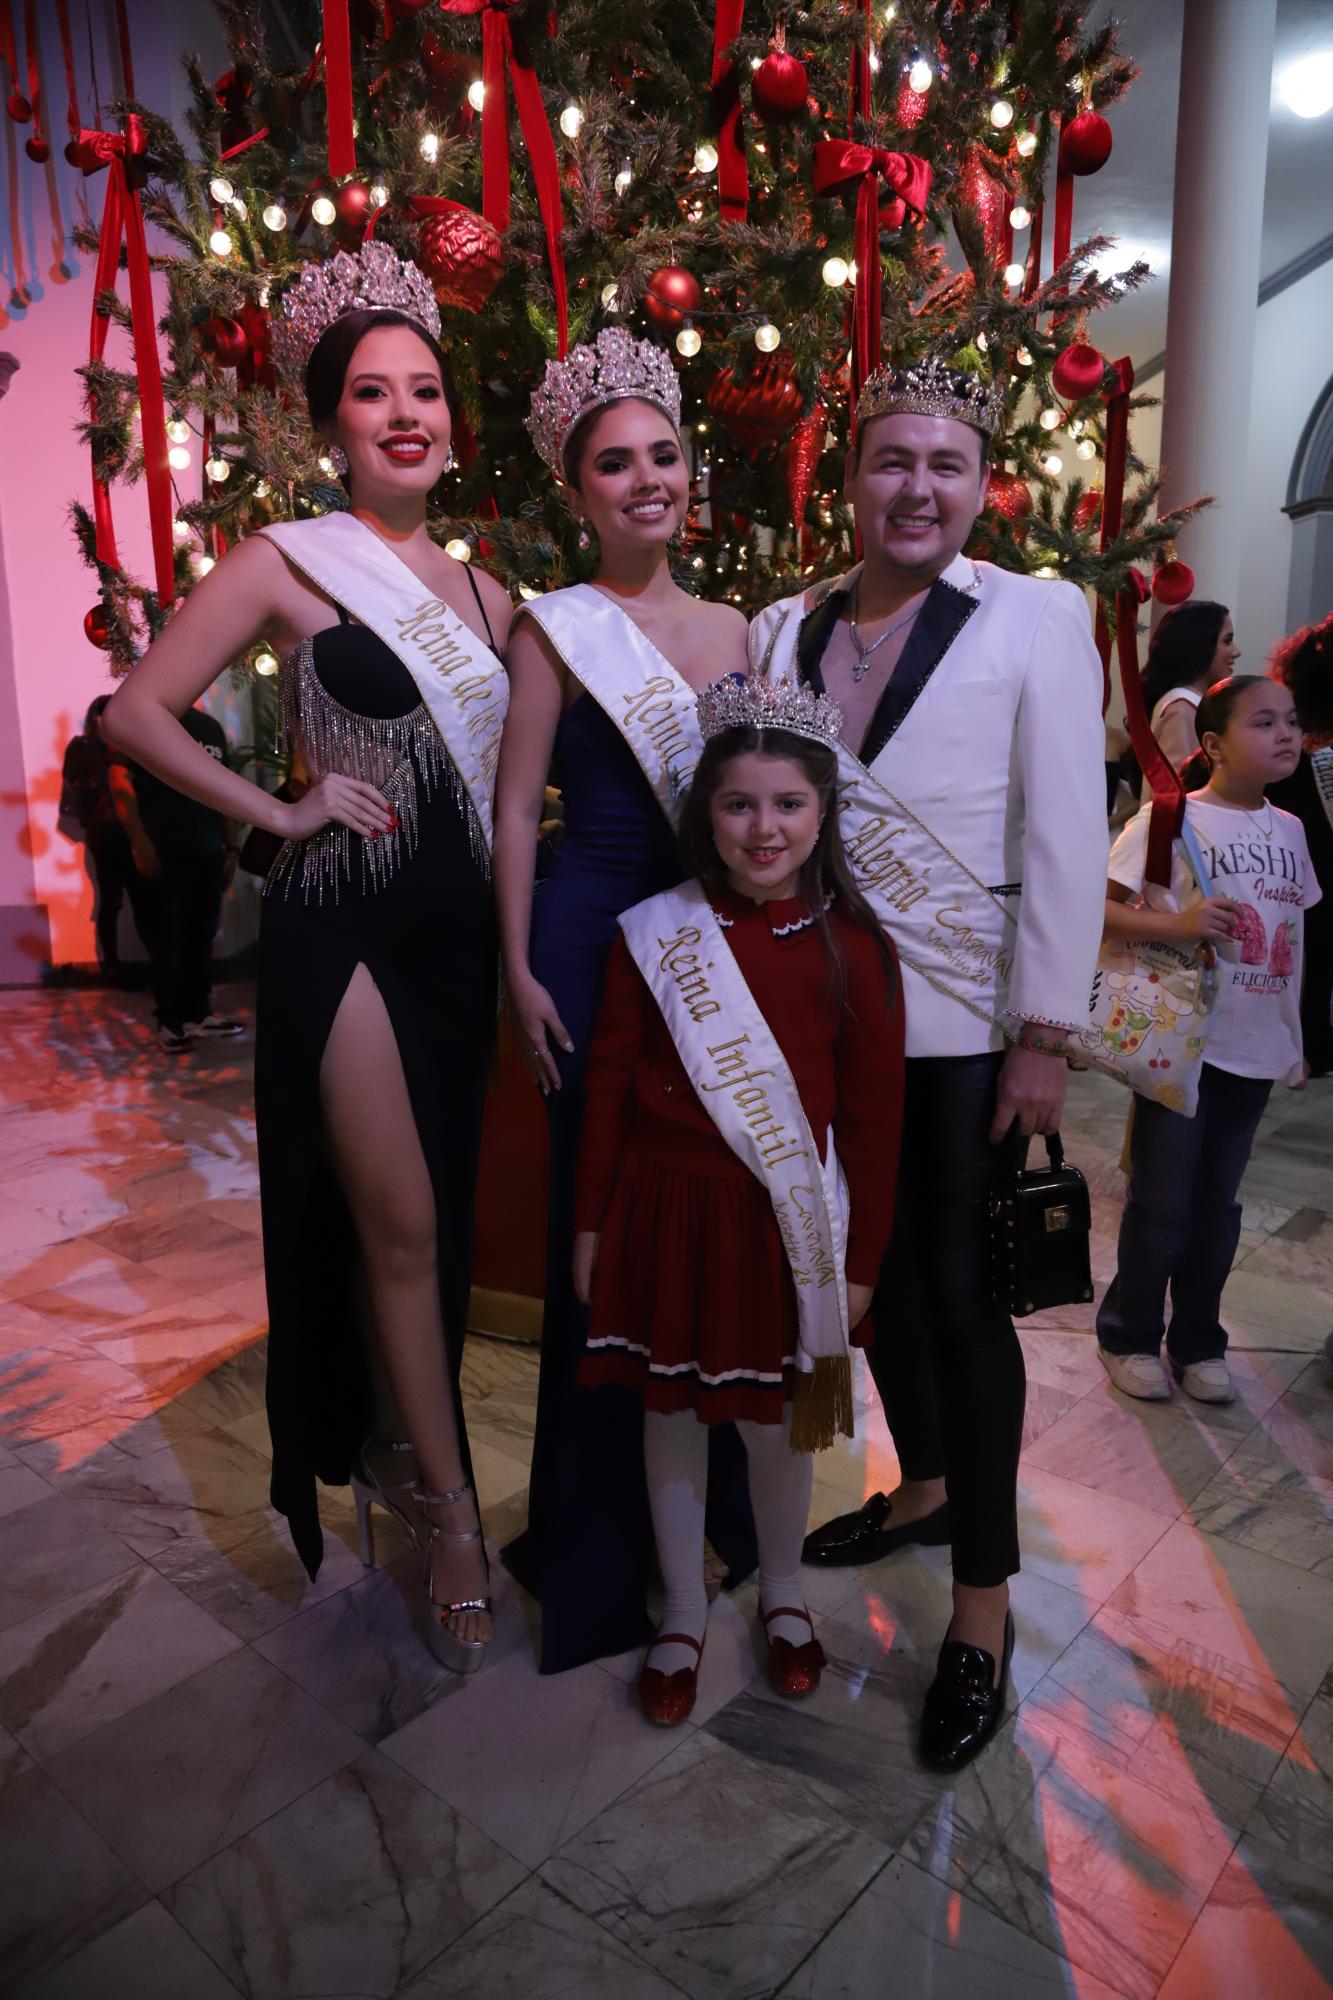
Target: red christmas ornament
{"x": 462, "y": 255}
{"x": 37, "y": 150}
{"x": 757, "y": 409}
{"x": 1173, "y": 582}
{"x": 673, "y": 293}
{"x": 980, "y": 191}
{"x": 911, "y": 106}
{"x": 223, "y": 340}
{"x": 18, "y": 107}
{"x": 441, "y": 63}
{"x": 802, "y": 462}
{"x": 1078, "y": 372}
{"x": 97, "y": 628}
{"x": 1088, "y": 508}
{"x": 1085, "y": 143}
{"x": 352, "y": 202}
{"x": 779, "y": 88}
{"x": 1007, "y": 494}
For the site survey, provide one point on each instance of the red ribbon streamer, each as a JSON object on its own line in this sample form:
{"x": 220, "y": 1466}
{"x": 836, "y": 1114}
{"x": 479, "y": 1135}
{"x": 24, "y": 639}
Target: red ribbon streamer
{"x": 733, "y": 181}
{"x": 9, "y": 55}
{"x": 498, "y": 53}
{"x": 1032, "y": 277}
{"x": 126, "y": 56}
{"x": 34, "y": 72}
{"x": 122, "y": 220}
{"x": 1063, "y": 234}
{"x": 72, "y": 118}
{"x": 1168, "y": 795}
{"x": 838, "y": 162}
{"x": 338, "y": 88}
{"x": 859, "y": 97}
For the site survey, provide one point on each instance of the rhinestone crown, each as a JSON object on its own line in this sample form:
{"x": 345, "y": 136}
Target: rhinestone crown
{"x": 376, "y": 280}
{"x": 931, "y": 388}
{"x": 754, "y": 703}
{"x": 615, "y": 368}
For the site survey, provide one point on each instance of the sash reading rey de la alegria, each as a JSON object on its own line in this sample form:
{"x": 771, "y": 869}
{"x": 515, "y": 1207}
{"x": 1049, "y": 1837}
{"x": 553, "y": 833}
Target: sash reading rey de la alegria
{"x": 651, "y": 705}
{"x": 462, "y": 683}
{"x": 945, "y": 923}
{"x": 742, "y": 1079}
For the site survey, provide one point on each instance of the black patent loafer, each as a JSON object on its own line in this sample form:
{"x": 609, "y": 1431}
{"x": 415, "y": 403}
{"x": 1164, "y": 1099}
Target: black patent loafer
{"x": 869, "y": 1534}
{"x": 965, "y": 1705}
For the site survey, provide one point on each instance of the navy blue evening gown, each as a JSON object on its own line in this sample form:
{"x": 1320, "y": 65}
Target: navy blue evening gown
{"x": 587, "y": 1552}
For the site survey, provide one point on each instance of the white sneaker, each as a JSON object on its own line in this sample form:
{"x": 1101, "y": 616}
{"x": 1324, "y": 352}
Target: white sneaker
{"x": 1140, "y": 1375}
{"x": 213, "y": 1025}
{"x": 1208, "y": 1382}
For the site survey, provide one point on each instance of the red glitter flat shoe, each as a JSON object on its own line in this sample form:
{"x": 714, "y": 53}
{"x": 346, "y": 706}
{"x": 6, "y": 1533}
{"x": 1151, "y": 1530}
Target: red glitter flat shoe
{"x": 793, "y": 1670}
{"x": 666, "y": 1699}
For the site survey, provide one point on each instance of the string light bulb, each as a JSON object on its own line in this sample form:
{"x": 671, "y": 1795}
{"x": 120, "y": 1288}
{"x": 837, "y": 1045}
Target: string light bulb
{"x": 624, "y": 179}
{"x": 221, "y": 190}
{"x": 323, "y": 211}
{"x": 1053, "y": 464}
{"x": 325, "y": 462}
{"x": 200, "y": 563}
{"x": 836, "y": 272}
{"x": 527, "y": 593}
{"x": 430, "y": 141}
{"x": 1026, "y": 145}
{"x": 178, "y": 431}
{"x": 688, "y": 342}
{"x": 983, "y": 345}
{"x": 217, "y": 469}
{"x": 705, "y": 158}
{"x": 178, "y": 458}
{"x": 767, "y": 337}
{"x": 238, "y": 207}
{"x": 1001, "y": 114}
{"x": 1014, "y": 274}
{"x": 220, "y": 243}
{"x": 1023, "y": 356}
{"x": 611, "y": 298}
{"x": 275, "y": 216}
{"x": 920, "y": 76}
{"x": 265, "y": 664}
{"x": 571, "y": 121}
{"x": 262, "y": 489}
{"x": 476, "y": 96}
{"x": 1019, "y": 217}
{"x": 379, "y": 195}
{"x": 180, "y": 531}
{"x": 460, "y": 550}
{"x": 1049, "y": 418}
{"x": 1086, "y": 448}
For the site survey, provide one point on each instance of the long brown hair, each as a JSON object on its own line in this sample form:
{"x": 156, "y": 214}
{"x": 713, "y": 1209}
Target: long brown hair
{"x": 826, "y": 871}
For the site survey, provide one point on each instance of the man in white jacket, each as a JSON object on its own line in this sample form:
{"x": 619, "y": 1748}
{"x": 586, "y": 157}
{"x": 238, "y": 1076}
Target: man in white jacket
{"x": 973, "y": 810}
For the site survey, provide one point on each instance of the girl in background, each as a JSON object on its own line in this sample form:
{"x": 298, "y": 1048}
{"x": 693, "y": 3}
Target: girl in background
{"x": 1182, "y": 1217}
{"x": 751, "y": 1020}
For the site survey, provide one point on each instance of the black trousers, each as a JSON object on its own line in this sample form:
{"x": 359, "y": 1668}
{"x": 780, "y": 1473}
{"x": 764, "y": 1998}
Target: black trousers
{"x": 946, "y": 1359}
{"x": 187, "y": 903}
{"x": 116, "y": 876}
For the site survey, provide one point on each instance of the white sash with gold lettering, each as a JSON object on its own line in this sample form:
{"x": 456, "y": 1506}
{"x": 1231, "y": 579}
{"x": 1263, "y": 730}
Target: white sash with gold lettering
{"x": 462, "y": 683}
{"x": 741, "y": 1078}
{"x": 649, "y": 702}
{"x": 945, "y": 922}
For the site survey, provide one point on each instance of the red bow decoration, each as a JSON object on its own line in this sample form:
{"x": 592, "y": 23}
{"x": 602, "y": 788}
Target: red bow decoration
{"x": 122, "y": 221}
{"x": 1168, "y": 794}
{"x": 498, "y": 52}
{"x": 838, "y": 162}
{"x": 733, "y": 182}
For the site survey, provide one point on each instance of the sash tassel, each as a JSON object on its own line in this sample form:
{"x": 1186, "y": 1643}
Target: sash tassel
{"x": 822, "y": 1409}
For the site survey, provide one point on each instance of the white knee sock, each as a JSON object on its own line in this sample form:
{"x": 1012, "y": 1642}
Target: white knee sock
{"x": 780, "y": 1483}
{"x": 675, "y": 1450}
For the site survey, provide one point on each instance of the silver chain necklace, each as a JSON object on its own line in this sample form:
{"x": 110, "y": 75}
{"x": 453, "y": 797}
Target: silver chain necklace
{"x": 862, "y": 666}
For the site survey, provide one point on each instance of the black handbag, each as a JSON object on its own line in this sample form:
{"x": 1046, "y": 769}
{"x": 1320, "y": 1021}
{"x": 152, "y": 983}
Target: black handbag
{"x": 1041, "y": 1226}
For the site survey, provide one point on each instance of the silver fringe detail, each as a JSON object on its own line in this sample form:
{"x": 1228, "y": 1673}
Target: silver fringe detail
{"x": 387, "y": 754}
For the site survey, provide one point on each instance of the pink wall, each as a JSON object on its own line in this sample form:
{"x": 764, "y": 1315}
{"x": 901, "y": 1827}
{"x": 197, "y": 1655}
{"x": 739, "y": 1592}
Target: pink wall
{"x": 45, "y": 307}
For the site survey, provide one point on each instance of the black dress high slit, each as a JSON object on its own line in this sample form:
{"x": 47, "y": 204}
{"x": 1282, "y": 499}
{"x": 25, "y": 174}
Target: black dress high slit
{"x": 424, "y": 927}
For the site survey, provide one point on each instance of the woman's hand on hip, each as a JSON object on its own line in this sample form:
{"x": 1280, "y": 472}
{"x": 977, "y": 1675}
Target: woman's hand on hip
{"x": 344, "y": 801}
{"x": 536, "y": 1022}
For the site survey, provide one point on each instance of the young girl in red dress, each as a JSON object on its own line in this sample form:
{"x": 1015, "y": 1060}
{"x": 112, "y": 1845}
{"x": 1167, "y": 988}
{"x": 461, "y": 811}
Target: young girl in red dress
{"x": 751, "y": 1019}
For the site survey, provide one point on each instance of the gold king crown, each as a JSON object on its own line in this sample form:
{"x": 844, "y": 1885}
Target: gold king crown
{"x": 754, "y": 703}
{"x": 616, "y": 368}
{"x": 376, "y": 279}
{"x": 931, "y": 388}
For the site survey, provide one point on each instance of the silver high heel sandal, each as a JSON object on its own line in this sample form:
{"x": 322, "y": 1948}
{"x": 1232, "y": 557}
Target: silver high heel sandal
{"x": 393, "y": 1495}
{"x": 463, "y": 1656}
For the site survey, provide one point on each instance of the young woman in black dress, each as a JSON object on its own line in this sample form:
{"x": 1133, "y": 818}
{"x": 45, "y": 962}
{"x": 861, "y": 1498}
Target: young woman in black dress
{"x": 377, "y": 975}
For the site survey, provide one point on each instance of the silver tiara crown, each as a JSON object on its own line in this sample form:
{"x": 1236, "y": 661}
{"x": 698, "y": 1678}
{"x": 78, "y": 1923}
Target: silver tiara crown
{"x": 754, "y": 703}
{"x": 617, "y": 367}
{"x": 931, "y": 388}
{"x": 375, "y": 280}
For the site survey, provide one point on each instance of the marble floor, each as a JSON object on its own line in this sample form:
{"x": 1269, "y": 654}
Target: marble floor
{"x": 217, "y": 1778}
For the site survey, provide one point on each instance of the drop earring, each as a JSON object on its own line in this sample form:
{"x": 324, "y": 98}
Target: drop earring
{"x": 585, "y": 539}
{"x": 338, "y": 460}
{"x": 448, "y": 465}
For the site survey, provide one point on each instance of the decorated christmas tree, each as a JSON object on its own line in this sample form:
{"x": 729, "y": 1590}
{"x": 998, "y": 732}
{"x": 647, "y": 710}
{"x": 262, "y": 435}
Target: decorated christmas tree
{"x": 780, "y": 195}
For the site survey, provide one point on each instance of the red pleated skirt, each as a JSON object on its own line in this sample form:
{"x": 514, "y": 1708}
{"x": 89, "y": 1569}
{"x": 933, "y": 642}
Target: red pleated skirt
{"x": 692, "y": 1299}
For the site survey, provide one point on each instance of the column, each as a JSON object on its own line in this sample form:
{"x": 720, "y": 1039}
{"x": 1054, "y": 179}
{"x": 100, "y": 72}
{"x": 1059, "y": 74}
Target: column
{"x": 1226, "y": 66}
{"x": 25, "y": 938}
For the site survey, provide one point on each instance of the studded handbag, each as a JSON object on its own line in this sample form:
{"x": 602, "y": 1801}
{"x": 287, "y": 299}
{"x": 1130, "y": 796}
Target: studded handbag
{"x": 1041, "y": 1227}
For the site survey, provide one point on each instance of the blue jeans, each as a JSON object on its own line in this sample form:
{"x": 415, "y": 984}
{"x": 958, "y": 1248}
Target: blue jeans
{"x": 1182, "y": 1220}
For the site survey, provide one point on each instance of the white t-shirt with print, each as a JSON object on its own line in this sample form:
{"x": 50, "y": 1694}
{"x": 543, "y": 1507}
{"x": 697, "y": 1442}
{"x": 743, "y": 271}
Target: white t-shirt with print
{"x": 1259, "y": 860}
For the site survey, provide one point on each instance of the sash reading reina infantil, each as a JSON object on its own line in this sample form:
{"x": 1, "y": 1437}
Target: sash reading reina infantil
{"x": 946, "y": 924}
{"x": 651, "y": 705}
{"x": 460, "y": 680}
{"x": 741, "y": 1078}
